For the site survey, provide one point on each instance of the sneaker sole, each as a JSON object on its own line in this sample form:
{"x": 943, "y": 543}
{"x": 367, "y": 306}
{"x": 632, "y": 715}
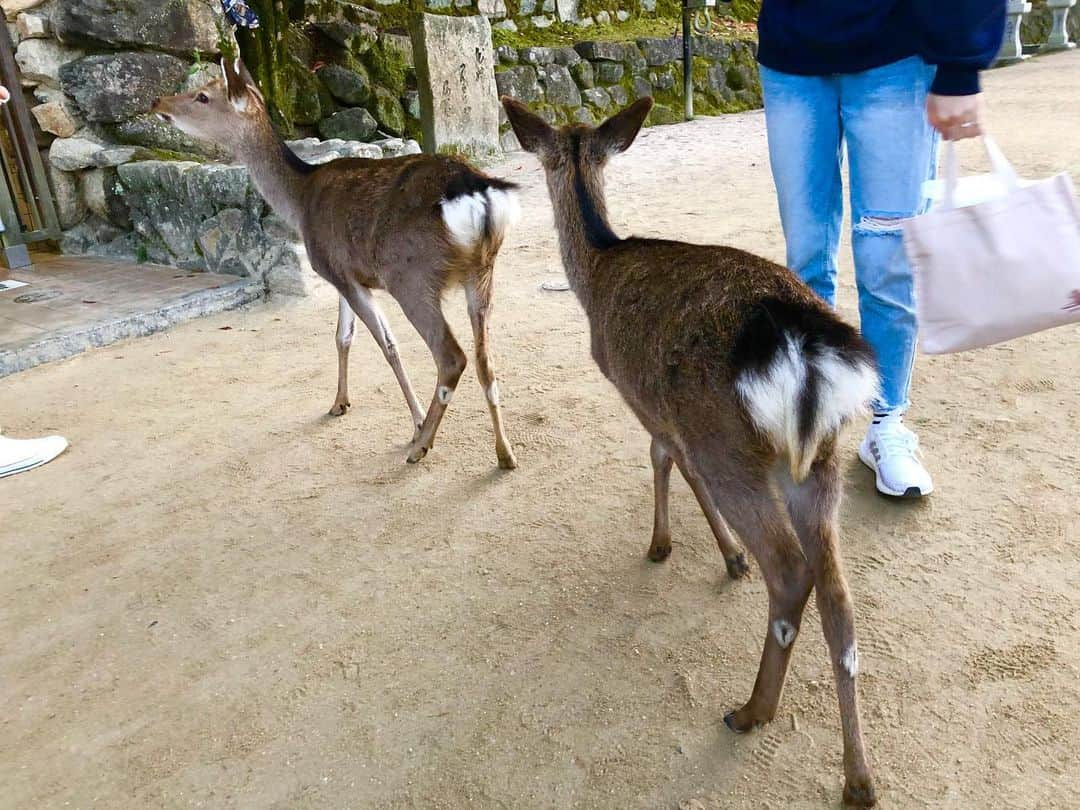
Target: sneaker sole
{"x": 910, "y": 494}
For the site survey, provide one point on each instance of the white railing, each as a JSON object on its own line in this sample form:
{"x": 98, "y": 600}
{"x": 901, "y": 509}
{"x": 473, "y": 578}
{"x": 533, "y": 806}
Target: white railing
{"x": 1014, "y": 50}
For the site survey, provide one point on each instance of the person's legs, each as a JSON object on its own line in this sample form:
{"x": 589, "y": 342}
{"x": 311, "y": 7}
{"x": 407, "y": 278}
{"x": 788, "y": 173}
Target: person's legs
{"x": 802, "y": 116}
{"x": 892, "y": 150}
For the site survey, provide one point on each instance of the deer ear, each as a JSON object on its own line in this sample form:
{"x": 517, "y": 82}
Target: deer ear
{"x": 237, "y": 81}
{"x": 618, "y": 132}
{"x": 532, "y": 131}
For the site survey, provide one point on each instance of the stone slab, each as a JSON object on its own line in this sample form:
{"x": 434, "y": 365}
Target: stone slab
{"x": 455, "y": 70}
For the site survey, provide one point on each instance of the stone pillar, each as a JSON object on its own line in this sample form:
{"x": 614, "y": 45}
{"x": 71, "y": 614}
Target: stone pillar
{"x": 455, "y": 74}
{"x": 1059, "y": 33}
{"x": 1012, "y": 50}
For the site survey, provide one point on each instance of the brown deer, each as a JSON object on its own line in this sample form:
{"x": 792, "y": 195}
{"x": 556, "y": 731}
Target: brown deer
{"x": 414, "y": 226}
{"x": 744, "y": 380}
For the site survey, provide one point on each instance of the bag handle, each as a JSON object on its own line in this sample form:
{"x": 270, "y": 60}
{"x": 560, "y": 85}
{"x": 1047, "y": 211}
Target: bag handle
{"x": 998, "y": 163}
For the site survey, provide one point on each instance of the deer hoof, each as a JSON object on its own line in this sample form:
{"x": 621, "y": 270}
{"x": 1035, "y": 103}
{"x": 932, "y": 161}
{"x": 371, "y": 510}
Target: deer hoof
{"x": 340, "y": 408}
{"x": 859, "y": 793}
{"x": 416, "y": 454}
{"x": 738, "y": 725}
{"x": 507, "y": 461}
{"x": 658, "y": 552}
{"x": 737, "y": 567}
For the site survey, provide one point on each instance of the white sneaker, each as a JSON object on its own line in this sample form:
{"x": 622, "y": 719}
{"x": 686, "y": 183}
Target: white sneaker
{"x": 892, "y": 451}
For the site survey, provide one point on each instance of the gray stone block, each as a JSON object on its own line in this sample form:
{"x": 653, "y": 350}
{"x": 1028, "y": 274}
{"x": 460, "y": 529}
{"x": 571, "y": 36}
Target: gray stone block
{"x": 659, "y": 52}
{"x": 619, "y": 95}
{"x": 113, "y": 87}
{"x": 178, "y": 26}
{"x": 70, "y": 205}
{"x": 583, "y": 74}
{"x": 534, "y": 55}
{"x": 354, "y": 124}
{"x": 604, "y": 51}
{"x": 559, "y": 86}
{"x": 520, "y": 83}
{"x": 40, "y": 60}
{"x": 583, "y": 115}
{"x": 609, "y": 72}
{"x": 455, "y": 71}
{"x": 598, "y": 97}
{"x": 72, "y": 154}
{"x": 347, "y": 86}
{"x": 567, "y": 57}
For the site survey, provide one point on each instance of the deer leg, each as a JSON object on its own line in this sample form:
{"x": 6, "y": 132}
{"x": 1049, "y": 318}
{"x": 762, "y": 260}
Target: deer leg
{"x": 660, "y": 548}
{"x": 756, "y": 514}
{"x": 345, "y": 323}
{"x": 813, "y": 507}
{"x": 363, "y": 303}
{"x": 734, "y": 556}
{"x": 426, "y": 315}
{"x": 478, "y": 295}
{"x": 789, "y": 581}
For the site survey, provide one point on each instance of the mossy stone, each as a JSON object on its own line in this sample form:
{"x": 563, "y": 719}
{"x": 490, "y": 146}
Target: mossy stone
{"x": 351, "y": 87}
{"x": 389, "y": 112}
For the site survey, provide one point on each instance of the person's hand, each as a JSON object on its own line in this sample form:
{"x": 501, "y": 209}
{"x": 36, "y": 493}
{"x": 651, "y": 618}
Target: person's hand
{"x": 5, "y": 96}
{"x": 955, "y": 117}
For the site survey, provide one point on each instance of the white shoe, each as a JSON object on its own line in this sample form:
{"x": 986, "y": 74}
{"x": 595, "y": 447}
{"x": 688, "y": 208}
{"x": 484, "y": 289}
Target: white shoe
{"x": 892, "y": 452}
{"x": 20, "y": 455}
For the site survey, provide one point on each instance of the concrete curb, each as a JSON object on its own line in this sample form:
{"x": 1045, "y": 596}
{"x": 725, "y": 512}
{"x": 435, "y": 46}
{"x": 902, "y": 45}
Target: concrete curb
{"x": 185, "y": 308}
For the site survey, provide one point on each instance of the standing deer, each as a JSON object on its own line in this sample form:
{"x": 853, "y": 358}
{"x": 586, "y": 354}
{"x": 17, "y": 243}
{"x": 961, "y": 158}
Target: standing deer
{"x": 744, "y": 380}
{"x": 414, "y": 226}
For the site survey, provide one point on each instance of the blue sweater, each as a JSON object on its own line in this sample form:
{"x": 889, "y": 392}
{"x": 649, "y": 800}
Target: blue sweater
{"x": 824, "y": 37}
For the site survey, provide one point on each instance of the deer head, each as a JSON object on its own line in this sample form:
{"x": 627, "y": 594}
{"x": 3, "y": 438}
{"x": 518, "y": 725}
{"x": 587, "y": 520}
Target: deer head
{"x": 227, "y": 111}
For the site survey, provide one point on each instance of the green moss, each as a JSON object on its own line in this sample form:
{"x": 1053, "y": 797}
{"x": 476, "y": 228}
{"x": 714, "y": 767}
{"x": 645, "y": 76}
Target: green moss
{"x": 565, "y": 34}
{"x": 745, "y": 10}
{"x": 741, "y": 10}
{"x": 388, "y": 67}
{"x": 142, "y": 254}
{"x": 169, "y": 154}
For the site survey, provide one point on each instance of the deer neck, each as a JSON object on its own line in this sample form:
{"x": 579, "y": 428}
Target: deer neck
{"x": 278, "y": 174}
{"x": 581, "y": 220}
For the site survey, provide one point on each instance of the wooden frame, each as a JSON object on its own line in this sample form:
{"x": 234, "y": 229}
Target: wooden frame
{"x": 26, "y": 204}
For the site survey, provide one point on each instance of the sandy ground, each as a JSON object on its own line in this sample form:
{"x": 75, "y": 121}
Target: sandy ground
{"x": 222, "y": 597}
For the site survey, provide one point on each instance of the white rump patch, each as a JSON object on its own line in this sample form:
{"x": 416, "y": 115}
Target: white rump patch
{"x": 466, "y": 216}
{"x": 784, "y": 631}
{"x": 845, "y": 391}
{"x": 444, "y": 394}
{"x": 850, "y": 660}
{"x": 772, "y": 399}
{"x": 493, "y": 393}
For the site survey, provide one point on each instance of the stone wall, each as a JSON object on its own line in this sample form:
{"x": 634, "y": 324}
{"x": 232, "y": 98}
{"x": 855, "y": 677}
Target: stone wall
{"x": 92, "y": 68}
{"x": 592, "y": 80}
{"x": 127, "y": 185}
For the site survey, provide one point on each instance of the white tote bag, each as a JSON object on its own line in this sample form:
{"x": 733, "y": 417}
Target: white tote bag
{"x": 1000, "y": 257}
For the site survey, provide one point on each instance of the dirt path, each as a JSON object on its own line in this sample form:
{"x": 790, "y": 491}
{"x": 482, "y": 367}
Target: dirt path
{"x": 220, "y": 597}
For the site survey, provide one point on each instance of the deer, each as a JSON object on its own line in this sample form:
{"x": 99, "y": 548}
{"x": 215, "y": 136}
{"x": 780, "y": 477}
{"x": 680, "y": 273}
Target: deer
{"x": 414, "y": 226}
{"x": 744, "y": 379}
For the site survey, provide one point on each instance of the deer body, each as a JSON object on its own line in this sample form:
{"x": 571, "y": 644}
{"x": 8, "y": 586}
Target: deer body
{"x": 743, "y": 378}
{"x": 414, "y": 226}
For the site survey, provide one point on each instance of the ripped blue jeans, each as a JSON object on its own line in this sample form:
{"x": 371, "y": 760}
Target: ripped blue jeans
{"x": 880, "y": 115}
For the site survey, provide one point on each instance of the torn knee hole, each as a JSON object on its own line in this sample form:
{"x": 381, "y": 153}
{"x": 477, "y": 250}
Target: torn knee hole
{"x": 881, "y": 223}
